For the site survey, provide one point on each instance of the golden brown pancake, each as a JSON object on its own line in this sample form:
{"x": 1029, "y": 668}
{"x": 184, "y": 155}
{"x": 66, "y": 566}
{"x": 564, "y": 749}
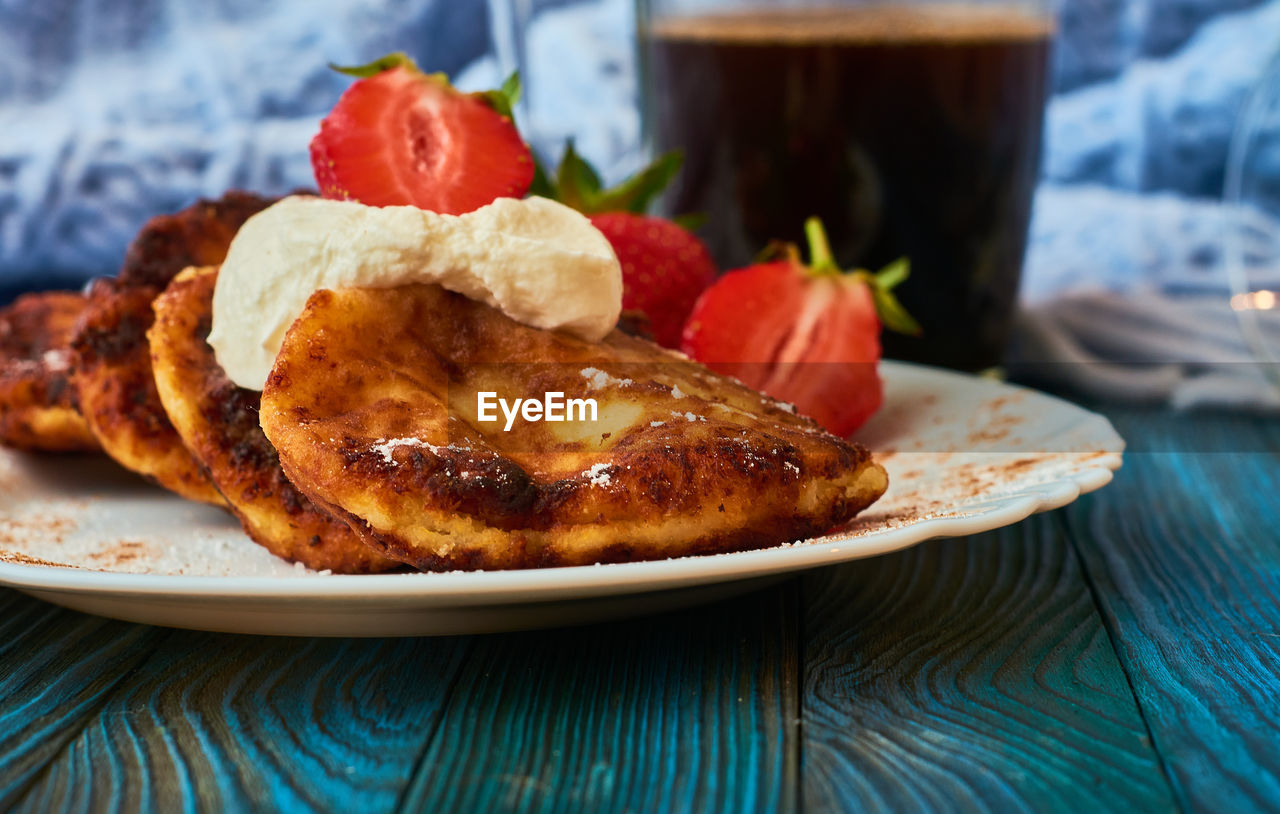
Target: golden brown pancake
{"x": 37, "y": 402}
{"x": 218, "y": 422}
{"x": 110, "y": 356}
{"x": 372, "y": 406}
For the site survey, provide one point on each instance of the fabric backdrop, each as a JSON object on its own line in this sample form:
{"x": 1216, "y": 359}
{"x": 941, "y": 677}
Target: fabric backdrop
{"x": 114, "y": 110}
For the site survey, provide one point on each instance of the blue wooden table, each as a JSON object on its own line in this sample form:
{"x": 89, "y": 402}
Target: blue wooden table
{"x": 1122, "y": 654}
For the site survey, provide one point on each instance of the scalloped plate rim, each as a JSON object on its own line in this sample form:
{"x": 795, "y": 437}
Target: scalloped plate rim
{"x": 493, "y": 587}
{"x": 496, "y": 588}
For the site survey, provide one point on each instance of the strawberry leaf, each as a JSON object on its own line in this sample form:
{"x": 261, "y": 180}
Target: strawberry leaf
{"x": 892, "y": 315}
{"x": 578, "y": 183}
{"x": 504, "y": 99}
{"x": 690, "y": 221}
{"x": 637, "y": 192}
{"x": 511, "y": 87}
{"x": 542, "y": 185}
{"x": 893, "y": 274}
{"x": 386, "y": 63}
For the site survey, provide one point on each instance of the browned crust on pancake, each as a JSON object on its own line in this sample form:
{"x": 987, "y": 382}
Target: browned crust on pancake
{"x": 117, "y": 392}
{"x": 110, "y": 355}
{"x": 196, "y": 236}
{"x": 218, "y": 422}
{"x": 38, "y": 410}
{"x": 362, "y": 366}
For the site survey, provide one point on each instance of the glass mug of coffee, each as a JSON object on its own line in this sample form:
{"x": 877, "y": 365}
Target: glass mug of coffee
{"x": 911, "y": 129}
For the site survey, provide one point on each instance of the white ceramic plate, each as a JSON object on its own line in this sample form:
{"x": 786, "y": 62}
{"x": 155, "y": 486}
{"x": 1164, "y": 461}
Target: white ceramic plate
{"x": 964, "y": 455}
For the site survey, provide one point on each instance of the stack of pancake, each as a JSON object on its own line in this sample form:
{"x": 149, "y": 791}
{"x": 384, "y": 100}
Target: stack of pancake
{"x": 364, "y": 453}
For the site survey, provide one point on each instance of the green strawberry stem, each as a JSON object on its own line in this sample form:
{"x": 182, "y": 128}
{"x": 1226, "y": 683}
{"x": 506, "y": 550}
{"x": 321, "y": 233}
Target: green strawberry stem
{"x": 502, "y": 99}
{"x": 577, "y": 184}
{"x": 892, "y": 315}
{"x": 822, "y": 264}
{"x": 394, "y": 60}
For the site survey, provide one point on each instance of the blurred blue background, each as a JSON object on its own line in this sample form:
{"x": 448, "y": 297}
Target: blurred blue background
{"x": 113, "y": 110}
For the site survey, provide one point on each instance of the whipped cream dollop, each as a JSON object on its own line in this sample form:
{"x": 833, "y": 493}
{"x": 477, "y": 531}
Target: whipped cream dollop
{"x": 538, "y": 261}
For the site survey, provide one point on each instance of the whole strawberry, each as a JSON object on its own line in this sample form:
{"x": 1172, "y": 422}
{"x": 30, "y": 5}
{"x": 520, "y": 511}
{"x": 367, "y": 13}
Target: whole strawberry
{"x": 664, "y": 266}
{"x": 399, "y": 136}
{"x": 809, "y": 335}
{"x": 664, "y": 269}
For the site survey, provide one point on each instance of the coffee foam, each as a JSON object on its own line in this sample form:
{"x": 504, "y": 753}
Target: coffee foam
{"x": 949, "y": 23}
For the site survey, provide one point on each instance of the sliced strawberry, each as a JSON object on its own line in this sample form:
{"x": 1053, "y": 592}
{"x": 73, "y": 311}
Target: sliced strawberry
{"x": 762, "y": 301}
{"x": 401, "y": 137}
{"x": 830, "y": 368}
{"x": 809, "y": 335}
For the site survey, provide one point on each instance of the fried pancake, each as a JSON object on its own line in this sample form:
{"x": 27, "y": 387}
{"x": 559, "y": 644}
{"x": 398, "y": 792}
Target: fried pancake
{"x": 110, "y": 355}
{"x": 372, "y": 407}
{"x": 37, "y": 403}
{"x": 196, "y": 236}
{"x": 218, "y": 422}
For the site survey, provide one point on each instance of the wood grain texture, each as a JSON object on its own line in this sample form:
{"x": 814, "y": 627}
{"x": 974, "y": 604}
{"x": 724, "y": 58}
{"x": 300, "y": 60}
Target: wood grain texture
{"x": 233, "y": 723}
{"x": 57, "y": 668}
{"x": 972, "y": 674}
{"x": 969, "y": 675}
{"x": 1183, "y": 551}
{"x": 694, "y": 711}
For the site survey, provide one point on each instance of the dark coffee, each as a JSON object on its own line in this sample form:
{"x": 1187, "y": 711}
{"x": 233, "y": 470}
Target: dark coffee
{"x": 911, "y": 131}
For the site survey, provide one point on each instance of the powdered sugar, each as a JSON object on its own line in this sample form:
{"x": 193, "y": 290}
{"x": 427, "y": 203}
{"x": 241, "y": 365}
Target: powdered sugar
{"x": 385, "y": 446}
{"x": 598, "y": 475}
{"x": 600, "y": 380}
{"x": 57, "y": 360}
